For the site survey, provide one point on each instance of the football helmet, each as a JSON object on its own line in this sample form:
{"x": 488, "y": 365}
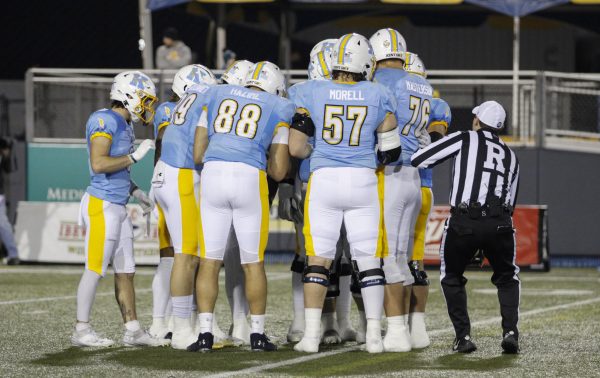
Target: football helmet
{"x": 136, "y": 91}
{"x": 353, "y": 53}
{"x": 190, "y": 75}
{"x": 266, "y": 76}
{"x": 388, "y": 44}
{"x": 319, "y": 67}
{"x": 236, "y": 73}
{"x": 414, "y": 64}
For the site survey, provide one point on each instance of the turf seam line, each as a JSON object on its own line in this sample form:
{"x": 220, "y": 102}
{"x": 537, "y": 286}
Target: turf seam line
{"x": 316, "y": 356}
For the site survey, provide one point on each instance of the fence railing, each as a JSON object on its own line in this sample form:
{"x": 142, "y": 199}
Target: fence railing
{"x": 555, "y": 110}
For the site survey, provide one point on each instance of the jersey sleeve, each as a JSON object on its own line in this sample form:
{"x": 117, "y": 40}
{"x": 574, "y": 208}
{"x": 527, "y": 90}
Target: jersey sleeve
{"x": 285, "y": 112}
{"x": 387, "y": 103}
{"x": 100, "y": 125}
{"x": 300, "y": 94}
{"x": 441, "y": 114}
{"x": 162, "y": 118}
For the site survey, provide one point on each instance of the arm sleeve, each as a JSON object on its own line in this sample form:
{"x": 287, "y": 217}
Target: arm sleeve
{"x": 101, "y": 126}
{"x": 514, "y": 187}
{"x": 439, "y": 151}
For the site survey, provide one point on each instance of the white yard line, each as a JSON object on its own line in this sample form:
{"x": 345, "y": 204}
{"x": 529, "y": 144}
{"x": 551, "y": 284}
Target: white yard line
{"x": 316, "y": 356}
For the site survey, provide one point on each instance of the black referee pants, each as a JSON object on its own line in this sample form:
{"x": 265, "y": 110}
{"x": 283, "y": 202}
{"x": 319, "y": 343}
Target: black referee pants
{"x": 462, "y": 238}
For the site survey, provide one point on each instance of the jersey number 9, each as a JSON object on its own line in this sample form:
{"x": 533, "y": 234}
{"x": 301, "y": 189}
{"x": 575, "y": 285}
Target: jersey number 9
{"x": 246, "y": 126}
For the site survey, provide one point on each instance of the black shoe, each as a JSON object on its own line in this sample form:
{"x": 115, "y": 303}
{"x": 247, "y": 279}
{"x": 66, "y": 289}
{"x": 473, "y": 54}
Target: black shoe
{"x": 261, "y": 343}
{"x": 13, "y": 261}
{"x": 203, "y": 344}
{"x": 169, "y": 335}
{"x": 510, "y": 343}
{"x": 464, "y": 345}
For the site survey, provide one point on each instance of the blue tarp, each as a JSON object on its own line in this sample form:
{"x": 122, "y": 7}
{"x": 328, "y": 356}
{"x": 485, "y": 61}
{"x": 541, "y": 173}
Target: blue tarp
{"x": 159, "y": 4}
{"x": 517, "y": 8}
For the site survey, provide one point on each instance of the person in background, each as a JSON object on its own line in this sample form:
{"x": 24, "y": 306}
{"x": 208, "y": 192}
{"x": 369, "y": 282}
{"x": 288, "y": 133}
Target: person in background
{"x": 173, "y": 53}
{"x": 6, "y": 230}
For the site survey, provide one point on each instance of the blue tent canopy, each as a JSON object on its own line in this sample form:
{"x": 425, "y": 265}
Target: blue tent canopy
{"x": 517, "y": 8}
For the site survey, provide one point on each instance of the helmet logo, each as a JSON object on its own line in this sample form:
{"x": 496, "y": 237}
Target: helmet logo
{"x": 194, "y": 75}
{"x": 138, "y": 81}
{"x": 386, "y": 43}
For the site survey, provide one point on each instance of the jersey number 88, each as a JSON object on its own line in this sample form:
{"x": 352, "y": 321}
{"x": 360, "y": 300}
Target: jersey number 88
{"x": 246, "y": 126}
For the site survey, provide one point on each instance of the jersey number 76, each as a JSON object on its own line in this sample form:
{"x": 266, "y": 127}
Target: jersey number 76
{"x": 418, "y": 106}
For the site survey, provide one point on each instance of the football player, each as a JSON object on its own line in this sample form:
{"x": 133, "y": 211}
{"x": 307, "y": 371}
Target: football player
{"x": 241, "y": 126}
{"x": 185, "y": 78}
{"x": 347, "y": 116}
{"x": 402, "y": 182}
{"x": 109, "y": 232}
{"x": 439, "y": 121}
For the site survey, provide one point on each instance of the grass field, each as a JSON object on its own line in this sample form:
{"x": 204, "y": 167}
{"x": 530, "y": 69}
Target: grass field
{"x": 560, "y": 332}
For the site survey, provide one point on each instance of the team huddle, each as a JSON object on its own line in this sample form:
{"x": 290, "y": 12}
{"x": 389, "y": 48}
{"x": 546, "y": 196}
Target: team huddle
{"x": 336, "y": 148}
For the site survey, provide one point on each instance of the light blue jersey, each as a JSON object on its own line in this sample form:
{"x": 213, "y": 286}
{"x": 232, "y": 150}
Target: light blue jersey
{"x": 304, "y": 168}
{"x": 346, "y": 117}
{"x": 178, "y": 140}
{"x": 440, "y": 115}
{"x": 413, "y": 96}
{"x": 242, "y": 123}
{"x": 163, "y": 116}
{"x": 111, "y": 187}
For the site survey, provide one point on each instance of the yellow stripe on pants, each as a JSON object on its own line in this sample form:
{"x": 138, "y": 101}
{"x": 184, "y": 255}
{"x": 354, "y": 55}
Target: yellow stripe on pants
{"x": 264, "y": 221}
{"x": 308, "y": 241}
{"x": 189, "y": 212}
{"x": 97, "y": 234}
{"x": 421, "y": 224}
{"x": 164, "y": 239}
{"x": 382, "y": 243}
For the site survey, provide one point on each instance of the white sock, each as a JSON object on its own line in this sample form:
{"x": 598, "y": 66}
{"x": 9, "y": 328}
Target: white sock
{"x": 169, "y": 309}
{"x": 257, "y": 323}
{"x": 405, "y": 319}
{"x": 80, "y": 326}
{"x": 312, "y": 323}
{"x": 372, "y": 295}
{"x": 161, "y": 287}
{"x": 395, "y": 322}
{"x": 86, "y": 292}
{"x": 374, "y": 328}
{"x": 133, "y": 325}
{"x": 362, "y": 321}
{"x": 343, "y": 303}
{"x": 298, "y": 297}
{"x": 194, "y": 307}
{"x": 328, "y": 320}
{"x": 182, "y": 306}
{"x": 416, "y": 316}
{"x": 206, "y": 321}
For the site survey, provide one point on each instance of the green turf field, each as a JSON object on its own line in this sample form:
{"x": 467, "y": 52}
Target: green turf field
{"x": 560, "y": 332}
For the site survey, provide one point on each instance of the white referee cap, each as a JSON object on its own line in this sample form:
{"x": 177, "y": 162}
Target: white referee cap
{"x": 491, "y": 113}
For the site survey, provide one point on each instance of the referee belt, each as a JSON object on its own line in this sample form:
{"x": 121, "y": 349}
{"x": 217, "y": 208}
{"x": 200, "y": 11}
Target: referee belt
{"x": 476, "y": 210}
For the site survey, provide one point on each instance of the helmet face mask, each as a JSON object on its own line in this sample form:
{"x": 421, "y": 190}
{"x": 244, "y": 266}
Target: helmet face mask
{"x": 353, "y": 53}
{"x": 190, "y": 75}
{"x": 236, "y": 72}
{"x": 136, "y": 91}
{"x": 388, "y": 44}
{"x": 266, "y": 76}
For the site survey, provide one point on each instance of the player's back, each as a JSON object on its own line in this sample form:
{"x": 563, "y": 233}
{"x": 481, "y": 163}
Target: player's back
{"x": 440, "y": 115}
{"x": 111, "y": 187}
{"x": 163, "y": 116}
{"x": 413, "y": 96}
{"x": 178, "y": 139}
{"x": 242, "y": 122}
{"x": 346, "y": 117}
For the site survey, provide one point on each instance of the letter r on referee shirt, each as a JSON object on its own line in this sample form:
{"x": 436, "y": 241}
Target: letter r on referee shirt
{"x": 495, "y": 155}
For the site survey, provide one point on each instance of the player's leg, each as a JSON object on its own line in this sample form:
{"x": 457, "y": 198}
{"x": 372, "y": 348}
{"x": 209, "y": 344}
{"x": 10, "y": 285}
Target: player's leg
{"x": 329, "y": 329}
{"x": 420, "y": 288}
{"x": 251, "y": 225}
{"x": 323, "y": 215}
{"x": 366, "y": 236}
{"x": 344, "y": 299}
{"x": 214, "y": 225}
{"x": 236, "y": 292}
{"x": 123, "y": 264}
{"x": 296, "y": 330}
{"x": 100, "y": 241}
{"x": 161, "y": 284}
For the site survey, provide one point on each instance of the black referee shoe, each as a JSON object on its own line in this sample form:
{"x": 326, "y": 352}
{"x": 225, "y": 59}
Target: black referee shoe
{"x": 261, "y": 343}
{"x": 464, "y": 345}
{"x": 203, "y": 344}
{"x": 510, "y": 343}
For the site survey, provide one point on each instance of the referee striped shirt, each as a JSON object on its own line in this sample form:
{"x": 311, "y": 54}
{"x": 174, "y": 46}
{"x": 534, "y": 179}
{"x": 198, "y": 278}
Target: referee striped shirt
{"x": 483, "y": 166}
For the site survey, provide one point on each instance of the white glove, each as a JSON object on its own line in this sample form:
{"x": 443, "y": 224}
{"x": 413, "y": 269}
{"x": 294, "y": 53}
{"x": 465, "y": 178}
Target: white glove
{"x": 142, "y": 150}
{"x": 424, "y": 139}
{"x": 145, "y": 201}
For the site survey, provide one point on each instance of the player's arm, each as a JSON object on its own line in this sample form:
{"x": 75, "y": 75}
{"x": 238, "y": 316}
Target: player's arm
{"x": 279, "y": 155}
{"x": 102, "y": 162}
{"x": 201, "y": 138}
{"x": 301, "y": 129}
{"x": 439, "y": 151}
{"x": 388, "y": 140}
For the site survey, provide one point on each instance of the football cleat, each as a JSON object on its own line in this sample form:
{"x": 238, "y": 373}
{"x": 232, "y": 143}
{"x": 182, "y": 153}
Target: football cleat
{"x": 419, "y": 338}
{"x": 331, "y": 336}
{"x": 397, "y": 339}
{"x": 347, "y": 334}
{"x": 374, "y": 343}
{"x": 89, "y": 338}
{"x": 159, "y": 329}
{"x": 241, "y": 331}
{"x": 294, "y": 335}
{"x": 464, "y": 345}
{"x": 308, "y": 345}
{"x": 142, "y": 338}
{"x": 259, "y": 342}
{"x": 182, "y": 339}
{"x": 204, "y": 343}
{"x": 510, "y": 343}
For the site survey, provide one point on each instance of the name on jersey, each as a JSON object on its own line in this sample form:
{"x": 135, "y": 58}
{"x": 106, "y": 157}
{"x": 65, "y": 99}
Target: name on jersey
{"x": 345, "y": 95}
{"x": 423, "y": 89}
{"x": 244, "y": 94}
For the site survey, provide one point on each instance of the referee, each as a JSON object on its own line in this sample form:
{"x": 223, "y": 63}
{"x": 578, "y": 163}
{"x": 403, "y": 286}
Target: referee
{"x": 484, "y": 191}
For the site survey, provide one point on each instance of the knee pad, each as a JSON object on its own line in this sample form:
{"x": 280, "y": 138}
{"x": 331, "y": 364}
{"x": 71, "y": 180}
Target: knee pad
{"x": 420, "y": 276}
{"x": 370, "y": 272}
{"x": 316, "y": 269}
{"x": 298, "y": 264}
